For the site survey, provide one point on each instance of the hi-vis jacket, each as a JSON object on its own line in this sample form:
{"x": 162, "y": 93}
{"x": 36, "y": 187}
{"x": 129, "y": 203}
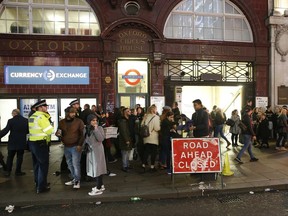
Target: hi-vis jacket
{"x": 40, "y": 127}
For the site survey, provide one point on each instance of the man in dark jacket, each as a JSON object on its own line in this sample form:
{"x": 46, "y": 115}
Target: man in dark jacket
{"x": 85, "y": 113}
{"x": 248, "y": 136}
{"x": 200, "y": 120}
{"x": 18, "y": 127}
{"x": 125, "y": 138}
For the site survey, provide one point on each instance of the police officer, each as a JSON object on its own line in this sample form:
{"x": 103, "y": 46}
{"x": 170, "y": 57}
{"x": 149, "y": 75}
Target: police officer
{"x": 40, "y": 131}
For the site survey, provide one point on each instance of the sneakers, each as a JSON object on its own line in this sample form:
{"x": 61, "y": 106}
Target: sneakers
{"x": 283, "y": 149}
{"x": 77, "y": 185}
{"x": 277, "y": 148}
{"x": 101, "y": 189}
{"x": 238, "y": 160}
{"x": 254, "y": 159}
{"x": 112, "y": 174}
{"x": 95, "y": 191}
{"x": 70, "y": 183}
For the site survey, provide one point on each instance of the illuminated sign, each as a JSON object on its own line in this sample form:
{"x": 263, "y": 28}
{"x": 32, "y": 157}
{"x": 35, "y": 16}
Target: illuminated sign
{"x": 46, "y": 75}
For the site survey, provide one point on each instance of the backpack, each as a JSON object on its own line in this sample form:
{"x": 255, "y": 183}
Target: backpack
{"x": 144, "y": 129}
{"x": 230, "y": 122}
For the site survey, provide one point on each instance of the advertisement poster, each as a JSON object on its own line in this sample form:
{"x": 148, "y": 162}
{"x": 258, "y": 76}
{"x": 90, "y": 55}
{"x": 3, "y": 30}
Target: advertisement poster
{"x": 262, "y": 102}
{"x": 159, "y": 101}
{"x": 196, "y": 155}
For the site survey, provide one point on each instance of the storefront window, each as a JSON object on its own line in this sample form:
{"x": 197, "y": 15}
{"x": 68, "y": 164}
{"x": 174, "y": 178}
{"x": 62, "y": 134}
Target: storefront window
{"x": 7, "y": 105}
{"x": 132, "y": 76}
{"x": 208, "y": 20}
{"x": 52, "y": 17}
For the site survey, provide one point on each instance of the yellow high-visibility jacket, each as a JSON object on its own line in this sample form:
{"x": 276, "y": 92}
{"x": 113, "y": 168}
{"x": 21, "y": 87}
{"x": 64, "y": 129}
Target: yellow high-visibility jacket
{"x": 39, "y": 127}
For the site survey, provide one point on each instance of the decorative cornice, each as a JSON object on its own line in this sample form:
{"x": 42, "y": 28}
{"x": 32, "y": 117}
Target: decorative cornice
{"x": 281, "y": 41}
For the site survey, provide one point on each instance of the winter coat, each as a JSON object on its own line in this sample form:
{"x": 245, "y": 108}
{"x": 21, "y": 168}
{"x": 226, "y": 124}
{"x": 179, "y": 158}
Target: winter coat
{"x": 282, "y": 127}
{"x": 263, "y": 129}
{"x": 95, "y": 161}
{"x": 201, "y": 121}
{"x": 246, "y": 119}
{"x": 18, "y": 127}
{"x": 154, "y": 128}
{"x": 125, "y": 134}
{"x": 235, "y": 129}
{"x": 72, "y": 132}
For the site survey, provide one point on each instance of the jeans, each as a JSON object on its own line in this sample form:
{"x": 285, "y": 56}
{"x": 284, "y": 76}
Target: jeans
{"x": 10, "y": 158}
{"x": 125, "y": 158}
{"x": 40, "y": 157}
{"x": 165, "y": 149}
{"x": 247, "y": 145}
{"x": 99, "y": 182}
{"x": 281, "y": 139}
{"x": 219, "y": 129}
{"x": 73, "y": 158}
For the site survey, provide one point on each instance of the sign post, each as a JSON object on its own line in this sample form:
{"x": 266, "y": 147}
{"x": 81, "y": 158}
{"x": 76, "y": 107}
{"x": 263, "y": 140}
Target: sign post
{"x": 196, "y": 155}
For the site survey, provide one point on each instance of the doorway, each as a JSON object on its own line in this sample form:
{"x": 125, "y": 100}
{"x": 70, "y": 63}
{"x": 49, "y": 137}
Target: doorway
{"x": 131, "y": 100}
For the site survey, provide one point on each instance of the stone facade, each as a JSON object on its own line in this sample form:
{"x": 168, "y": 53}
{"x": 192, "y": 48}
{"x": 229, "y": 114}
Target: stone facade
{"x": 139, "y": 36}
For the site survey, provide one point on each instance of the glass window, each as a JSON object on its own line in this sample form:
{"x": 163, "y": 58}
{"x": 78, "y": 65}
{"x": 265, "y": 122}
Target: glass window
{"x": 132, "y": 76}
{"x": 52, "y": 17}
{"x": 7, "y": 105}
{"x": 208, "y": 20}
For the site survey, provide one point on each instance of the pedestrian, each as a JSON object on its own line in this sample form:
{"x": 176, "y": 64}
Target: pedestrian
{"x": 70, "y": 130}
{"x": 282, "y": 130}
{"x": 17, "y": 142}
{"x": 200, "y": 120}
{"x": 84, "y": 114}
{"x": 152, "y": 141}
{"x": 96, "y": 163}
{"x": 40, "y": 131}
{"x": 126, "y": 141}
{"x": 220, "y": 119}
{"x": 165, "y": 140}
{"x": 263, "y": 130}
{"x": 248, "y": 136}
{"x": 235, "y": 129}
{"x": 176, "y": 111}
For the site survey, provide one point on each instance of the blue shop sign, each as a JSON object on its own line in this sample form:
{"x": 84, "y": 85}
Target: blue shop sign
{"x": 46, "y": 75}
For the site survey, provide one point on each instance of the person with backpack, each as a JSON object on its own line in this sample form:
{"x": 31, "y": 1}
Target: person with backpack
{"x": 220, "y": 119}
{"x": 151, "y": 142}
{"x": 282, "y": 130}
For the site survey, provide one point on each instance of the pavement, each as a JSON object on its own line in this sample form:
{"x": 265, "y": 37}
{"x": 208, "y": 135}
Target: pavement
{"x": 269, "y": 173}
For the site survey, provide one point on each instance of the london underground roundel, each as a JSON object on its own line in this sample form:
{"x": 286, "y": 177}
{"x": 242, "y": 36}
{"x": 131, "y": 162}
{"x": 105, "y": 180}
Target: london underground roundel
{"x": 132, "y": 77}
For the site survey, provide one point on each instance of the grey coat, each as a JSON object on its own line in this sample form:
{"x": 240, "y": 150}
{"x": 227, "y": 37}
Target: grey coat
{"x": 235, "y": 129}
{"x": 96, "y": 163}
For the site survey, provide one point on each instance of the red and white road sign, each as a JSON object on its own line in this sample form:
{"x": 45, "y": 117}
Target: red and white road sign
{"x": 196, "y": 155}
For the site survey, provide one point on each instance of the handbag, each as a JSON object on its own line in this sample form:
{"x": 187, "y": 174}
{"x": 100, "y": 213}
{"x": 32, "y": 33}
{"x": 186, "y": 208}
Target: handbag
{"x": 230, "y": 122}
{"x": 144, "y": 129}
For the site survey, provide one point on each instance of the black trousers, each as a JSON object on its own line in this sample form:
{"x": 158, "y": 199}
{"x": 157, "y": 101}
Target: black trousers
{"x": 10, "y": 158}
{"x": 150, "y": 149}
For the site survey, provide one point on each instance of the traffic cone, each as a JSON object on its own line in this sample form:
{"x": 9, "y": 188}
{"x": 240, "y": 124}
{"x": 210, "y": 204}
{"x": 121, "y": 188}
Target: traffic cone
{"x": 226, "y": 169}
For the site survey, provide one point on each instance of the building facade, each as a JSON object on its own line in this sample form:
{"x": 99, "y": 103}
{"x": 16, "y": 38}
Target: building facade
{"x": 142, "y": 49}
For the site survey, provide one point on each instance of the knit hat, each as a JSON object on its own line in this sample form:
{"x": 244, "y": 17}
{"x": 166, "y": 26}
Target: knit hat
{"x": 90, "y": 117}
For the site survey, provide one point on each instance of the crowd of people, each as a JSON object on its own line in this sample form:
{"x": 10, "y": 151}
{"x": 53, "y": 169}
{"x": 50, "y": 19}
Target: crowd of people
{"x": 144, "y": 135}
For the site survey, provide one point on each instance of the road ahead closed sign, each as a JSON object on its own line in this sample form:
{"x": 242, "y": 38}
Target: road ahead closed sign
{"x": 196, "y": 155}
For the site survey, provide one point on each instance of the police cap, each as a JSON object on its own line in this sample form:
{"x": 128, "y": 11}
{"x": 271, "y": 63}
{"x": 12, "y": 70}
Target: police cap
{"x": 40, "y": 103}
